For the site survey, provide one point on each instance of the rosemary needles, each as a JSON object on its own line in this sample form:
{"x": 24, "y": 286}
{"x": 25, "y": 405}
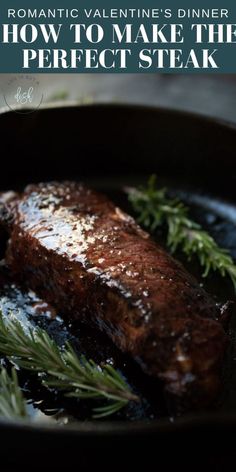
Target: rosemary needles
{"x": 155, "y": 209}
{"x": 62, "y": 369}
{"x": 12, "y": 402}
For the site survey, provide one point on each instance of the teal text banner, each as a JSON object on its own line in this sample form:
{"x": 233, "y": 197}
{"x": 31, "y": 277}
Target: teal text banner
{"x": 74, "y": 36}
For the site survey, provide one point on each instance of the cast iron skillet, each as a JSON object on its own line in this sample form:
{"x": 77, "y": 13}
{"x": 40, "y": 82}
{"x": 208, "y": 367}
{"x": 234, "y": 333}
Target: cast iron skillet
{"x": 109, "y": 145}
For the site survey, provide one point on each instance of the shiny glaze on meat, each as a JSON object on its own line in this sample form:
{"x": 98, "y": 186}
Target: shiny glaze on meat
{"x": 92, "y": 261}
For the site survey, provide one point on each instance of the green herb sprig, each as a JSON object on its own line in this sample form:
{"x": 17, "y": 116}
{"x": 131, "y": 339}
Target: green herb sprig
{"x": 12, "y": 402}
{"x": 155, "y": 209}
{"x": 62, "y": 369}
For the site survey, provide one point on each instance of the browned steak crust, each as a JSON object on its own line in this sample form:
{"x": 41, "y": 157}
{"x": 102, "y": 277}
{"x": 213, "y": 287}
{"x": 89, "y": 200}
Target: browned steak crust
{"x": 93, "y": 262}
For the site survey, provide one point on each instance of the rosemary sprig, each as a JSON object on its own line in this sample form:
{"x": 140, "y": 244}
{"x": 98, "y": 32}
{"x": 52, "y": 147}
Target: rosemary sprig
{"x": 156, "y": 209}
{"x": 62, "y": 369}
{"x": 12, "y": 402}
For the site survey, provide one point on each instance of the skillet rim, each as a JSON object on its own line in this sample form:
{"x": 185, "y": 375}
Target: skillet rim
{"x": 122, "y": 105}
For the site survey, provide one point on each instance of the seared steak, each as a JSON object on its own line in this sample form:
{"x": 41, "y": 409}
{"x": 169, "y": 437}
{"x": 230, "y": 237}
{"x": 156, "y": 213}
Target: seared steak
{"x": 93, "y": 262}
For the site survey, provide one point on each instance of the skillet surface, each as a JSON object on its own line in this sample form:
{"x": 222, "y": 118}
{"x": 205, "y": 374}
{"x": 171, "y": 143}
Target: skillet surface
{"x": 108, "y": 147}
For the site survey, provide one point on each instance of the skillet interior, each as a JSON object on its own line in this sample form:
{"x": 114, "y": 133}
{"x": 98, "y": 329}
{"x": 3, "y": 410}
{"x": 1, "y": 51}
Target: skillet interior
{"x": 108, "y": 146}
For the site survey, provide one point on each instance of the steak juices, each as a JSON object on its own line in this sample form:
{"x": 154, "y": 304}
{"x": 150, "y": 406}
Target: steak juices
{"x": 88, "y": 258}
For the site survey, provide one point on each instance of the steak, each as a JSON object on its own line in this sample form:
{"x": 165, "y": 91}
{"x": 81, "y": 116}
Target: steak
{"x": 90, "y": 260}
